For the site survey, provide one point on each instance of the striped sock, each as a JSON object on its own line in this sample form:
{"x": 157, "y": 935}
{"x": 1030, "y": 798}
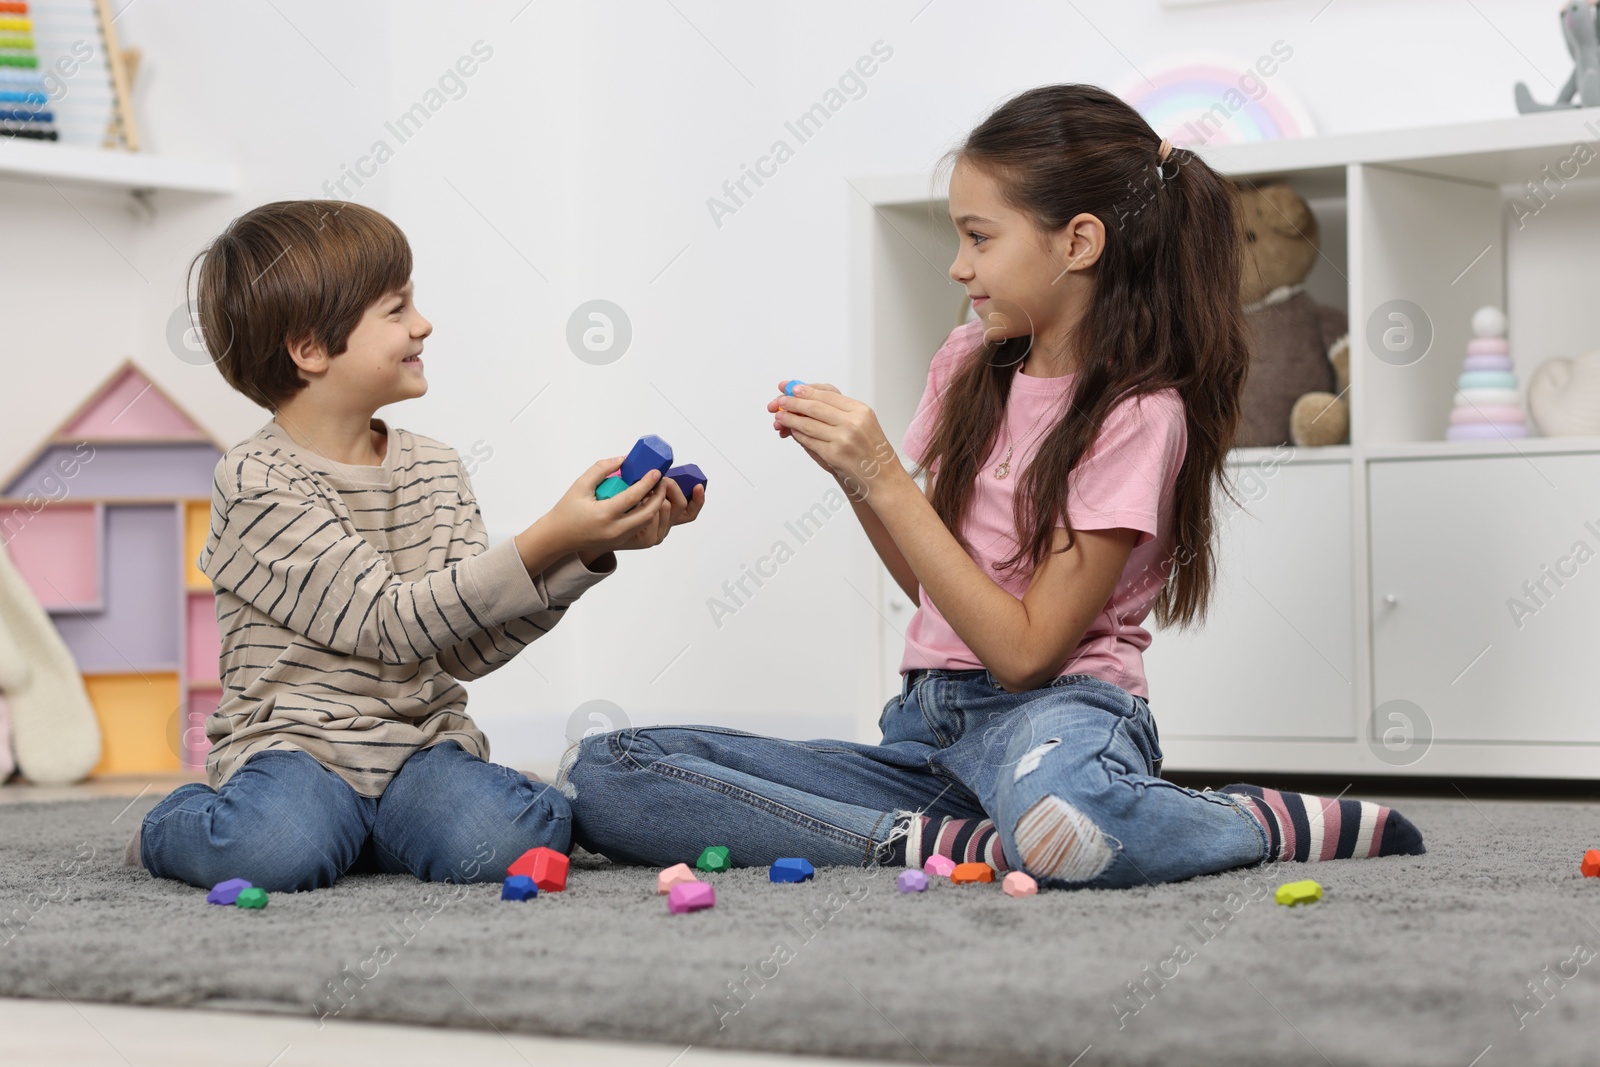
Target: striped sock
{"x": 1307, "y": 828}
{"x": 962, "y": 840}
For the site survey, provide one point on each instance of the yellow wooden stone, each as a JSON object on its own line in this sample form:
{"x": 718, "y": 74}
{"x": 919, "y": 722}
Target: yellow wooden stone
{"x": 1304, "y": 891}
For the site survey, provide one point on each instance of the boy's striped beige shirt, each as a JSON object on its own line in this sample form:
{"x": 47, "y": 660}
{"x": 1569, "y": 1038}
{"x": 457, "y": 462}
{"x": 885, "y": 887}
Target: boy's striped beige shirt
{"x": 351, "y": 599}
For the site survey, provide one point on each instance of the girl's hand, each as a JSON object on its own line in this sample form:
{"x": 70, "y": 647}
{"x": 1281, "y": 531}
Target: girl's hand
{"x": 637, "y": 517}
{"x": 775, "y": 405}
{"x": 841, "y": 433}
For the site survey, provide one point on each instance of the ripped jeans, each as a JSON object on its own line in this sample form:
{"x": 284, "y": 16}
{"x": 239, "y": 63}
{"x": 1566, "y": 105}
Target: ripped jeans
{"x": 1069, "y": 774}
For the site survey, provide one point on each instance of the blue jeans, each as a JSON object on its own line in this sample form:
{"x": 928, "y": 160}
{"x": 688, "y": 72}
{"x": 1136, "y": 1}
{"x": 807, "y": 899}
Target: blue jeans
{"x": 1069, "y": 774}
{"x": 285, "y": 822}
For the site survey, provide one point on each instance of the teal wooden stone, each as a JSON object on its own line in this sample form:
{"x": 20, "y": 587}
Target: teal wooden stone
{"x": 610, "y": 488}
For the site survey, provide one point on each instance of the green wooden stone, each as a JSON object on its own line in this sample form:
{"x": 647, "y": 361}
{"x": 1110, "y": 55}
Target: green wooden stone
{"x": 610, "y": 488}
{"x": 252, "y": 898}
{"x": 714, "y": 858}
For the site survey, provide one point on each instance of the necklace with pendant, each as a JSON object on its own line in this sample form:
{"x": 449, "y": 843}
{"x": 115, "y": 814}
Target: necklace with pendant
{"x": 1004, "y": 467}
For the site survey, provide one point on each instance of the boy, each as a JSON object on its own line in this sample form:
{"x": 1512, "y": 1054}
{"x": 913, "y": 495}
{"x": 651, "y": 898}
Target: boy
{"x": 355, "y": 584}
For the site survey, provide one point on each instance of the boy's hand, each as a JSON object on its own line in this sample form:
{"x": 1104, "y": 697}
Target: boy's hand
{"x": 684, "y": 510}
{"x": 637, "y": 517}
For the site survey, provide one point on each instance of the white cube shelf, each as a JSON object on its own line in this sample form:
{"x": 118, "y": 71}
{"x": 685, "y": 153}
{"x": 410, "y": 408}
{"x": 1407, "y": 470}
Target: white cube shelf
{"x": 1362, "y": 622}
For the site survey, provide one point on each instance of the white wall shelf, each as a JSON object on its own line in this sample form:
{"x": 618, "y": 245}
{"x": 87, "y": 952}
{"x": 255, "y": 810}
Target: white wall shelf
{"x": 112, "y": 169}
{"x": 1381, "y": 570}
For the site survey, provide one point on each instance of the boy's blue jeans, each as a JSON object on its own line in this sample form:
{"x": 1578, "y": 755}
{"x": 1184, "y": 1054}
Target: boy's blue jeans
{"x": 1074, "y": 765}
{"x": 285, "y": 822}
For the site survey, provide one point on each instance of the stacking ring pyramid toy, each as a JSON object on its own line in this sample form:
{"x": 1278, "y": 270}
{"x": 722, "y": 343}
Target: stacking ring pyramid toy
{"x": 1486, "y": 404}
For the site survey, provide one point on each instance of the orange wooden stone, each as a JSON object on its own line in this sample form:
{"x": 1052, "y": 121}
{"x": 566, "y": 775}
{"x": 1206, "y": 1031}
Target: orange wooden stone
{"x": 966, "y": 873}
{"x": 1591, "y": 863}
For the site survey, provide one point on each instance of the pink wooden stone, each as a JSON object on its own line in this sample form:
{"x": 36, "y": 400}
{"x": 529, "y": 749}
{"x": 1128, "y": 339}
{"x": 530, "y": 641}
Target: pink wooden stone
{"x": 677, "y": 874}
{"x": 1018, "y": 884}
{"x": 691, "y": 896}
{"x": 940, "y": 866}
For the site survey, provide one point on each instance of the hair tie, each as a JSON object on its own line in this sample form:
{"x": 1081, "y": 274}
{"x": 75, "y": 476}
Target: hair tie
{"x": 1161, "y": 158}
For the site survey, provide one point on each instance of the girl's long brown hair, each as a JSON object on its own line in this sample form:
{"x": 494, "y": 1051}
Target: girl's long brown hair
{"x": 1165, "y": 312}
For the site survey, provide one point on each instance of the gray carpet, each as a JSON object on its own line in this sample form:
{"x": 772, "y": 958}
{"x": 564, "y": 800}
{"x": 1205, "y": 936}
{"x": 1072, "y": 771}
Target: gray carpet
{"x": 1406, "y": 961}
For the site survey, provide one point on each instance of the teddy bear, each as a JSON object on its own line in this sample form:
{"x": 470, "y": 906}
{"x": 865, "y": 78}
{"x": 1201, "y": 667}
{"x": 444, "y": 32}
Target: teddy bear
{"x": 1300, "y": 349}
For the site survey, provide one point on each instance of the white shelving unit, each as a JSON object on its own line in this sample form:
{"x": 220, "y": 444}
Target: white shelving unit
{"x": 112, "y": 169}
{"x": 1365, "y": 591}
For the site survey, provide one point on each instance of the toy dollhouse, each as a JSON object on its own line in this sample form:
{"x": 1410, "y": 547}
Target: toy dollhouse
{"x": 104, "y": 521}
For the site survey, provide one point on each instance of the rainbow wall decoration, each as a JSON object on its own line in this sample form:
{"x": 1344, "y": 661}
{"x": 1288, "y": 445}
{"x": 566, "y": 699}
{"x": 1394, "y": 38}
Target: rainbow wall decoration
{"x": 1207, "y": 99}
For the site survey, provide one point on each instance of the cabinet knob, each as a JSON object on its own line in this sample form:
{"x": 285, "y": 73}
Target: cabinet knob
{"x": 1390, "y": 598}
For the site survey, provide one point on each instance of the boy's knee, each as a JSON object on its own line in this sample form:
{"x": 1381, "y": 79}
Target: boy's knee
{"x": 1057, "y": 840}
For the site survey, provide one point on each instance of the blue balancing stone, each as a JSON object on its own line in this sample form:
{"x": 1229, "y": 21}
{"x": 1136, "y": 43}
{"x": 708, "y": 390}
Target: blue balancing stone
{"x": 790, "y": 386}
{"x": 648, "y": 453}
{"x": 791, "y": 870}
{"x": 518, "y": 887}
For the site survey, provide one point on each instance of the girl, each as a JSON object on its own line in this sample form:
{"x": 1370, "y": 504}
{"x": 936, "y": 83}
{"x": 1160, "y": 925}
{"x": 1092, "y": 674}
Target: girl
{"x": 1073, "y": 437}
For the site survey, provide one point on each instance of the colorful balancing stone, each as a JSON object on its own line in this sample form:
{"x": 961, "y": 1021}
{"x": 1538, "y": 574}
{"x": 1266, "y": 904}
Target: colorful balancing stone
{"x": 940, "y": 866}
{"x": 1591, "y": 863}
{"x": 251, "y": 898}
{"x": 911, "y": 881}
{"x": 518, "y": 887}
{"x": 649, "y": 453}
{"x": 1305, "y": 891}
{"x": 714, "y": 859}
{"x": 687, "y": 476}
{"x": 227, "y": 892}
{"x": 691, "y": 896}
{"x": 1018, "y": 884}
{"x": 677, "y": 874}
{"x": 546, "y": 866}
{"x": 610, "y": 488}
{"x": 791, "y": 870}
{"x": 972, "y": 873}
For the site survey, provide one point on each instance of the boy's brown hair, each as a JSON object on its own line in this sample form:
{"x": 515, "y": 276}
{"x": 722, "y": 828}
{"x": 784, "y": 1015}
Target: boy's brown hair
{"x": 290, "y": 271}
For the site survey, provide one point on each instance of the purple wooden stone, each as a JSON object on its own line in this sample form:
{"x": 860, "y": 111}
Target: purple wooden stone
{"x": 691, "y": 896}
{"x": 911, "y": 881}
{"x": 227, "y": 892}
{"x": 687, "y": 476}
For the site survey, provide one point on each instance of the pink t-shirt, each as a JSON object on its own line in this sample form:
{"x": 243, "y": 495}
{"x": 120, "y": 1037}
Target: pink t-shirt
{"x": 1126, "y": 479}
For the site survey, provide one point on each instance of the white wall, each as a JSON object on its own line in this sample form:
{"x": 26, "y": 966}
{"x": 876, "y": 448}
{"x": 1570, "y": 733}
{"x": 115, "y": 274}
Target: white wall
{"x": 587, "y": 146}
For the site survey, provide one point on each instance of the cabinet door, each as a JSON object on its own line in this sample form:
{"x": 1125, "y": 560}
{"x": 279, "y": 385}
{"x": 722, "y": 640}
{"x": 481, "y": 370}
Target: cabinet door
{"x": 1485, "y": 594}
{"x": 1275, "y": 657}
